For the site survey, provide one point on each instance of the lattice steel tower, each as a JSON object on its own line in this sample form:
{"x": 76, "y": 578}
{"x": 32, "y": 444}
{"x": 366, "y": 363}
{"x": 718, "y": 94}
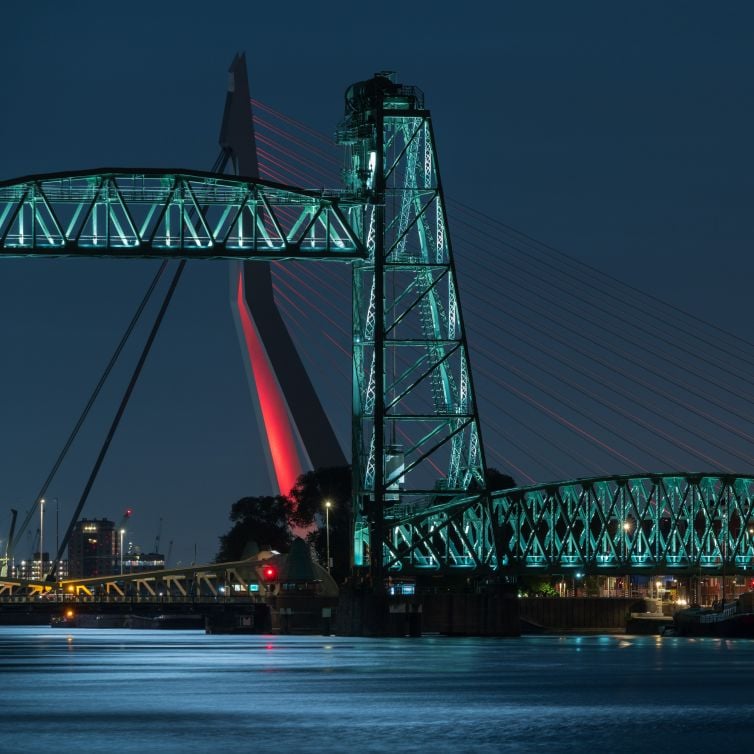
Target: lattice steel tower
{"x": 416, "y": 436}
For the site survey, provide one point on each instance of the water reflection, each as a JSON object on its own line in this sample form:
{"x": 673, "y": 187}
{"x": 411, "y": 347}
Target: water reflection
{"x": 157, "y": 691}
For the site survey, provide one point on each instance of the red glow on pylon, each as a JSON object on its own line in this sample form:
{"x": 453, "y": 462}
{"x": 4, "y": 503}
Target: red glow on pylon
{"x": 277, "y": 424}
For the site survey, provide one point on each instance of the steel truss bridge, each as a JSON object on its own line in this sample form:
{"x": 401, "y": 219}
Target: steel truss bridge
{"x": 421, "y": 502}
{"x": 660, "y": 523}
{"x": 157, "y": 214}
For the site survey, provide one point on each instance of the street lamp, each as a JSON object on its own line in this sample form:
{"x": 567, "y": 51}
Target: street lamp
{"x": 57, "y": 526}
{"x": 327, "y": 530}
{"x": 576, "y": 579}
{"x": 122, "y": 532}
{"x": 626, "y": 532}
{"x": 41, "y": 536}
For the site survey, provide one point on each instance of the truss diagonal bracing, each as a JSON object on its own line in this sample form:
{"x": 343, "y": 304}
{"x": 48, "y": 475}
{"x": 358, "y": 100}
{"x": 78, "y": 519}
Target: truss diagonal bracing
{"x": 153, "y": 213}
{"x": 675, "y": 523}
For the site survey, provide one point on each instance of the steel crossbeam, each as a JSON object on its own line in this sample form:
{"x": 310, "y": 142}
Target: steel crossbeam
{"x": 158, "y": 214}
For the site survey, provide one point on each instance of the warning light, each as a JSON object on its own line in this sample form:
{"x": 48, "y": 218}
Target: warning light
{"x": 129, "y": 512}
{"x": 269, "y": 573}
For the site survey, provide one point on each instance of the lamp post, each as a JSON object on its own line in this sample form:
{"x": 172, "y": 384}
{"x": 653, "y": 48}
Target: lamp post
{"x": 122, "y": 532}
{"x": 576, "y": 579}
{"x": 626, "y": 531}
{"x": 41, "y": 536}
{"x": 57, "y": 526}
{"x": 327, "y": 531}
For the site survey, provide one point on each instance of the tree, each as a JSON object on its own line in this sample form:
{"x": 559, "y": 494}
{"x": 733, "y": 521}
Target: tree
{"x": 313, "y": 488}
{"x": 308, "y": 497}
{"x": 260, "y": 521}
{"x": 536, "y": 586}
{"x": 496, "y": 480}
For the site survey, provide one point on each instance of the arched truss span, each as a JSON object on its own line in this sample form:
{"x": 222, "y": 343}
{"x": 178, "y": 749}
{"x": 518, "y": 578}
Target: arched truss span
{"x": 190, "y": 215}
{"x": 660, "y": 523}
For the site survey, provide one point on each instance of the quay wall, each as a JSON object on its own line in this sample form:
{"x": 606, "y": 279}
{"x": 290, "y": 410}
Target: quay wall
{"x": 576, "y": 613}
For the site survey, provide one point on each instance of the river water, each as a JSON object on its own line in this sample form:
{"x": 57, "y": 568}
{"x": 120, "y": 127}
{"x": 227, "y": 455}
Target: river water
{"x": 183, "y": 691}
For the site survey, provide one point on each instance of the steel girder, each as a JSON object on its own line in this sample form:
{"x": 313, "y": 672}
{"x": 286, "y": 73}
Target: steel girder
{"x": 669, "y": 523}
{"x": 416, "y": 437}
{"x": 155, "y": 213}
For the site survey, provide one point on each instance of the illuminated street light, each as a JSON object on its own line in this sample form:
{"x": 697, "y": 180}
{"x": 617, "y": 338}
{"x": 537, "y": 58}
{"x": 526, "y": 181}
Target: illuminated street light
{"x": 122, "y": 532}
{"x": 327, "y": 530}
{"x": 41, "y": 536}
{"x": 576, "y": 578}
{"x": 626, "y": 530}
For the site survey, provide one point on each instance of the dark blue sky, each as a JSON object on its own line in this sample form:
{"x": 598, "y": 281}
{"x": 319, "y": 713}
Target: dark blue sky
{"x": 619, "y": 134}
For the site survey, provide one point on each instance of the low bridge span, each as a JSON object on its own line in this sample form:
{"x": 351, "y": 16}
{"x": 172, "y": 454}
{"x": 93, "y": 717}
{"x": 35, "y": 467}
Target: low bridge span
{"x": 675, "y": 523}
{"x": 258, "y": 578}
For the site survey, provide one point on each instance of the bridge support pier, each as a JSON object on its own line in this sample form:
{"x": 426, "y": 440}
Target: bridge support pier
{"x": 361, "y": 613}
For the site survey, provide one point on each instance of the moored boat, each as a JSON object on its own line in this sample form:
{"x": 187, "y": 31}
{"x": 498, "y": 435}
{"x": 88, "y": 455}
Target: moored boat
{"x": 728, "y": 619}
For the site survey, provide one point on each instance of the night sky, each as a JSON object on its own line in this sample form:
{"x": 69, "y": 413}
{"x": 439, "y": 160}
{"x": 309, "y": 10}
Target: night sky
{"x": 621, "y": 135}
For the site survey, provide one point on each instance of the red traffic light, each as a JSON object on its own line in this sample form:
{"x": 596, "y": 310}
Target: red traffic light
{"x": 269, "y": 573}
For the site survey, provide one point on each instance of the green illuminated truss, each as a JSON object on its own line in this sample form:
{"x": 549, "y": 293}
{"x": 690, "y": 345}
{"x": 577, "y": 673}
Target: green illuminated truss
{"x": 419, "y": 469}
{"x": 416, "y": 441}
{"x": 675, "y": 523}
{"x": 151, "y": 213}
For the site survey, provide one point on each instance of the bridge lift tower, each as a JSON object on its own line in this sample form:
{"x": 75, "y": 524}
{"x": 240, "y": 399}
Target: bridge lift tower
{"x": 416, "y": 434}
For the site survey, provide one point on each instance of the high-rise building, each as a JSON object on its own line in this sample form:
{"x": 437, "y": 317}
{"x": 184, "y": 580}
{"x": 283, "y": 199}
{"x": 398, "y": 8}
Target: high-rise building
{"x": 93, "y": 549}
{"x": 36, "y": 569}
{"x": 33, "y": 569}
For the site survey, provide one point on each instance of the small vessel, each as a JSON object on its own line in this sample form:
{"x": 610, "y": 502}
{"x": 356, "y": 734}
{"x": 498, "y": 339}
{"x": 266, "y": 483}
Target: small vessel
{"x": 173, "y": 622}
{"x": 101, "y": 620}
{"x": 66, "y": 620}
{"x": 734, "y": 618}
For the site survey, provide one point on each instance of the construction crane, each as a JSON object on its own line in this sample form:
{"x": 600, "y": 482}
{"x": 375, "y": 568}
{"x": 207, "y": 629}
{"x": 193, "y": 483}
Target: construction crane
{"x": 121, "y": 529}
{"x": 124, "y": 520}
{"x": 157, "y": 538}
{"x": 5, "y": 567}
